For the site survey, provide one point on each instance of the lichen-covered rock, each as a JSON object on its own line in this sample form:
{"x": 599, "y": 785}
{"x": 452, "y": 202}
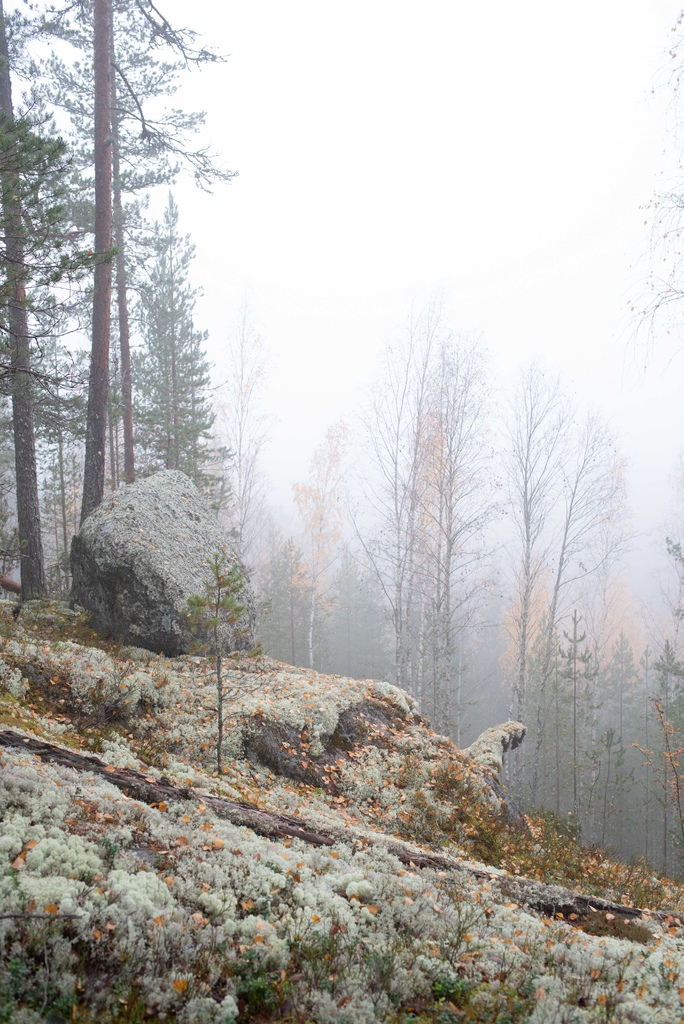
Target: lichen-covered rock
{"x": 141, "y": 554}
{"x": 487, "y": 754}
{"x": 489, "y": 748}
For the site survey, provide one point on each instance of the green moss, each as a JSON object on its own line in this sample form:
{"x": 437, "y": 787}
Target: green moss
{"x": 618, "y": 927}
{"x": 259, "y": 987}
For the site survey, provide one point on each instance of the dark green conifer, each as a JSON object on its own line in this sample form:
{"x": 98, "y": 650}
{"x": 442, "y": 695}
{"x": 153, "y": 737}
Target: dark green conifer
{"x": 172, "y": 371}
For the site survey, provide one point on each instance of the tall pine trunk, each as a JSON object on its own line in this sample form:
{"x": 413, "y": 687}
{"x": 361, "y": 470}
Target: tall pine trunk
{"x": 96, "y": 421}
{"x": 28, "y": 507}
{"x": 122, "y": 294}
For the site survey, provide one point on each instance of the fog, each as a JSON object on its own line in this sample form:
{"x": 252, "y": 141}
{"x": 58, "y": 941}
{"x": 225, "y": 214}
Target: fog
{"x": 434, "y": 417}
{"x": 499, "y": 155}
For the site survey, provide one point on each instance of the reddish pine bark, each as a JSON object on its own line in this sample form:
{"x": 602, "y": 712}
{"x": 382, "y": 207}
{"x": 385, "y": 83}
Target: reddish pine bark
{"x": 96, "y": 422}
{"x": 122, "y": 296}
{"x": 28, "y": 508}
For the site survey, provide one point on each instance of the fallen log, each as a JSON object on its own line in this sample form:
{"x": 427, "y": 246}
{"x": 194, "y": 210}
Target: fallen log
{"x": 550, "y": 900}
{"x": 152, "y": 789}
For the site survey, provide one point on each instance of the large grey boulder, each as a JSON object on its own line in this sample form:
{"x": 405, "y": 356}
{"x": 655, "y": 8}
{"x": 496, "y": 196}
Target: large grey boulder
{"x": 141, "y": 554}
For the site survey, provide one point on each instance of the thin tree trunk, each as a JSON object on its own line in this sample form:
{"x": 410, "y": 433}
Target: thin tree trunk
{"x": 219, "y": 697}
{"x": 112, "y": 453}
{"x": 174, "y": 447}
{"x": 28, "y": 507}
{"x": 558, "y": 740}
{"x": 312, "y": 619}
{"x": 94, "y": 470}
{"x": 62, "y": 490}
{"x": 293, "y": 653}
{"x": 548, "y": 650}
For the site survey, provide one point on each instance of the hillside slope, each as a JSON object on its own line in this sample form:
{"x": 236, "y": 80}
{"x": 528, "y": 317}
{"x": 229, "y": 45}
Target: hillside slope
{"x": 350, "y": 865}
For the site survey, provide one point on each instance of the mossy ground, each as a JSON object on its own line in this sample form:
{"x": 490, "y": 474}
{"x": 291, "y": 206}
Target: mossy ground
{"x": 178, "y": 916}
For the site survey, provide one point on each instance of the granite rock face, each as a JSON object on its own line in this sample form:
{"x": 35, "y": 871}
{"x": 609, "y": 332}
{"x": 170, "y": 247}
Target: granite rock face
{"x": 141, "y": 554}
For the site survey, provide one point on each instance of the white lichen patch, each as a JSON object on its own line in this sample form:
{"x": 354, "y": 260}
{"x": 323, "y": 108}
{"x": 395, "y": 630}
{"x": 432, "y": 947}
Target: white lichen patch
{"x": 177, "y": 895}
{"x": 113, "y": 907}
{"x": 487, "y": 752}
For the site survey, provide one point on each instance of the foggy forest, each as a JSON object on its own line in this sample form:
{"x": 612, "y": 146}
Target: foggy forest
{"x": 463, "y": 531}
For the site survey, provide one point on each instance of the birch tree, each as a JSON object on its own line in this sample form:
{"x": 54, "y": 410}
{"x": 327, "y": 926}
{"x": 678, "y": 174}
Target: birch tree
{"x": 243, "y": 427}
{"x": 534, "y": 450}
{"x": 456, "y": 507}
{"x": 592, "y": 492}
{"x": 566, "y": 498}
{"x": 319, "y": 503}
{"x": 393, "y": 439}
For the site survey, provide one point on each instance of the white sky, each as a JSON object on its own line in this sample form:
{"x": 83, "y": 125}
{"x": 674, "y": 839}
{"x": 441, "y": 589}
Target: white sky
{"x": 499, "y": 152}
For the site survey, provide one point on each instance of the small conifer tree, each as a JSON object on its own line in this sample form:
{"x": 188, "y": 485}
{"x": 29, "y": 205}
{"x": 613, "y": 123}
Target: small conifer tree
{"x": 210, "y": 613}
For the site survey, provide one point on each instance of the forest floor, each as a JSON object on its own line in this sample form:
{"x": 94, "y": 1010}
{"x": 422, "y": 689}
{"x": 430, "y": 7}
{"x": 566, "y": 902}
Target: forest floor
{"x": 349, "y": 865}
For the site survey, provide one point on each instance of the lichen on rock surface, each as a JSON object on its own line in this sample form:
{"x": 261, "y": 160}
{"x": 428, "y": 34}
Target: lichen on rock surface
{"x": 487, "y": 752}
{"x": 141, "y": 554}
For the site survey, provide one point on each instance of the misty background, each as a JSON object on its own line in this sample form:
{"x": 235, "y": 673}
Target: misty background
{"x": 430, "y": 371}
{"x": 500, "y": 155}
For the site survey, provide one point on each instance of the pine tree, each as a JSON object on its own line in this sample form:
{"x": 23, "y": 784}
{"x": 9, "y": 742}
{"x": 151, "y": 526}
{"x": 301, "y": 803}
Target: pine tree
{"x": 620, "y": 717}
{"x": 172, "y": 372}
{"x": 578, "y": 671}
{"x": 138, "y": 58}
{"x": 9, "y": 538}
{"x": 35, "y": 254}
{"x": 667, "y": 705}
{"x": 60, "y": 414}
{"x": 211, "y": 612}
{"x": 359, "y": 642}
{"x": 283, "y": 587}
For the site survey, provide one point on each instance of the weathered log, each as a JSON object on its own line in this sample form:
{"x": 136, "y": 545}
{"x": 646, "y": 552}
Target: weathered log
{"x": 153, "y": 789}
{"x": 549, "y": 900}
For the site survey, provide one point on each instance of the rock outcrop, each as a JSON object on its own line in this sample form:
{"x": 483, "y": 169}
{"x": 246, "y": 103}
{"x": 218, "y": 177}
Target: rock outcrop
{"x": 490, "y": 746}
{"x": 138, "y": 558}
{"x": 487, "y": 754}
